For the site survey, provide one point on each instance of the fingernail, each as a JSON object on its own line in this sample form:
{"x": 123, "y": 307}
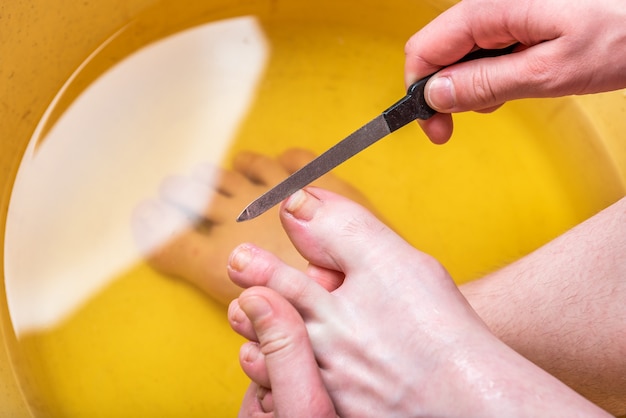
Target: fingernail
{"x": 255, "y": 307}
{"x": 441, "y": 94}
{"x": 240, "y": 258}
{"x": 302, "y": 205}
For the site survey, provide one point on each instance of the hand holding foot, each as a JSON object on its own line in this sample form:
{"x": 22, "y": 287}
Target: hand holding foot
{"x": 395, "y": 337}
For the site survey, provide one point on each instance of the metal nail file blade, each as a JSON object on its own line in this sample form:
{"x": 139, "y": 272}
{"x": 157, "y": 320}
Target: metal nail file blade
{"x": 353, "y": 144}
{"x": 410, "y": 107}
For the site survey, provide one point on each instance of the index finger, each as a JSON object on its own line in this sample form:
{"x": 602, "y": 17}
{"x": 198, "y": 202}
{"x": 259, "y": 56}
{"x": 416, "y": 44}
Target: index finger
{"x": 464, "y": 27}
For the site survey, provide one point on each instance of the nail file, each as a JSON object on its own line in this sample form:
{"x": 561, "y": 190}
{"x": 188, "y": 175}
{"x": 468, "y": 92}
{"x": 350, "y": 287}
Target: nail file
{"x": 411, "y": 107}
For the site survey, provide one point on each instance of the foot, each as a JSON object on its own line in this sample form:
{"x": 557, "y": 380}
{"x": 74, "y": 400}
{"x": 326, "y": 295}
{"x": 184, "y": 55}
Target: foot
{"x": 394, "y": 338}
{"x": 190, "y": 230}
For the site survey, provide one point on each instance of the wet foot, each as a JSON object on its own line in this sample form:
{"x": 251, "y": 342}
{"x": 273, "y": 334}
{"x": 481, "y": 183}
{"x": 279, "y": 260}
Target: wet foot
{"x": 392, "y": 337}
{"x": 190, "y": 230}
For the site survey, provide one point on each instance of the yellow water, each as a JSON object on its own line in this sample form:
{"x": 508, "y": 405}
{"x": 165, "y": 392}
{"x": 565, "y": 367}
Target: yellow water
{"x": 149, "y": 346}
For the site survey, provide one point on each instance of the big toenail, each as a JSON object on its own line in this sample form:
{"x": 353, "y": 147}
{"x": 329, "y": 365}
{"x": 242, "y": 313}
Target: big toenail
{"x": 302, "y": 205}
{"x": 295, "y": 201}
{"x": 240, "y": 258}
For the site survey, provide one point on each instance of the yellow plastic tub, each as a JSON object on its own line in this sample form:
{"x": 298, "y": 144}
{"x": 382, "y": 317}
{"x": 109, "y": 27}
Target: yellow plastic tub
{"x": 100, "y": 96}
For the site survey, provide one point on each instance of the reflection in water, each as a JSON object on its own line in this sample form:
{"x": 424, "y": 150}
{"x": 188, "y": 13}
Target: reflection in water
{"x": 215, "y": 233}
{"x": 160, "y": 111}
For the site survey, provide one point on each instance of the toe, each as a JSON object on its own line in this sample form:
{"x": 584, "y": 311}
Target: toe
{"x": 226, "y": 182}
{"x": 337, "y": 234}
{"x": 295, "y": 158}
{"x": 252, "y": 363}
{"x": 259, "y": 168}
{"x": 251, "y": 266}
{"x": 284, "y": 342}
{"x": 251, "y": 405}
{"x": 239, "y": 322}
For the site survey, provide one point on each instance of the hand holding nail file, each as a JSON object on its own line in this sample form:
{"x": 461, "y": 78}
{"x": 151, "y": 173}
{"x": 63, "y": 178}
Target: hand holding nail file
{"x": 411, "y": 107}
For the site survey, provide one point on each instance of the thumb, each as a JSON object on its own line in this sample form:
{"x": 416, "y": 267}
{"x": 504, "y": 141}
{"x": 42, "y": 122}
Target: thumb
{"x": 487, "y": 83}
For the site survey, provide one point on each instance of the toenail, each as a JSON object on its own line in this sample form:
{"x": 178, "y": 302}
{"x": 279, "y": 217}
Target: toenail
{"x": 240, "y": 258}
{"x": 250, "y": 352}
{"x": 302, "y": 205}
{"x": 265, "y": 399}
{"x": 261, "y": 392}
{"x": 237, "y": 316}
{"x": 295, "y": 201}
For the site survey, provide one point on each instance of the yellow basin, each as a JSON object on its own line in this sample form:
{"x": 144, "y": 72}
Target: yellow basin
{"x": 95, "y": 85}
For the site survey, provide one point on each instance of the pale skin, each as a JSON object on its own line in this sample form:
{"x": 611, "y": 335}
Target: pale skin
{"x": 561, "y": 307}
{"x": 566, "y": 47}
{"x": 564, "y": 307}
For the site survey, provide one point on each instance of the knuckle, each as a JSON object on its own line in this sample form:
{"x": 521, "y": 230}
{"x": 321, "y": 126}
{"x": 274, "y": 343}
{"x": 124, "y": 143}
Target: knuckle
{"x": 276, "y": 343}
{"x": 539, "y": 69}
{"x": 483, "y": 90}
{"x": 557, "y": 75}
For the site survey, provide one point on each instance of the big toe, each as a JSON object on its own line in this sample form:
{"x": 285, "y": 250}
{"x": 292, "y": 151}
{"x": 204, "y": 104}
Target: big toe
{"x": 333, "y": 232}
